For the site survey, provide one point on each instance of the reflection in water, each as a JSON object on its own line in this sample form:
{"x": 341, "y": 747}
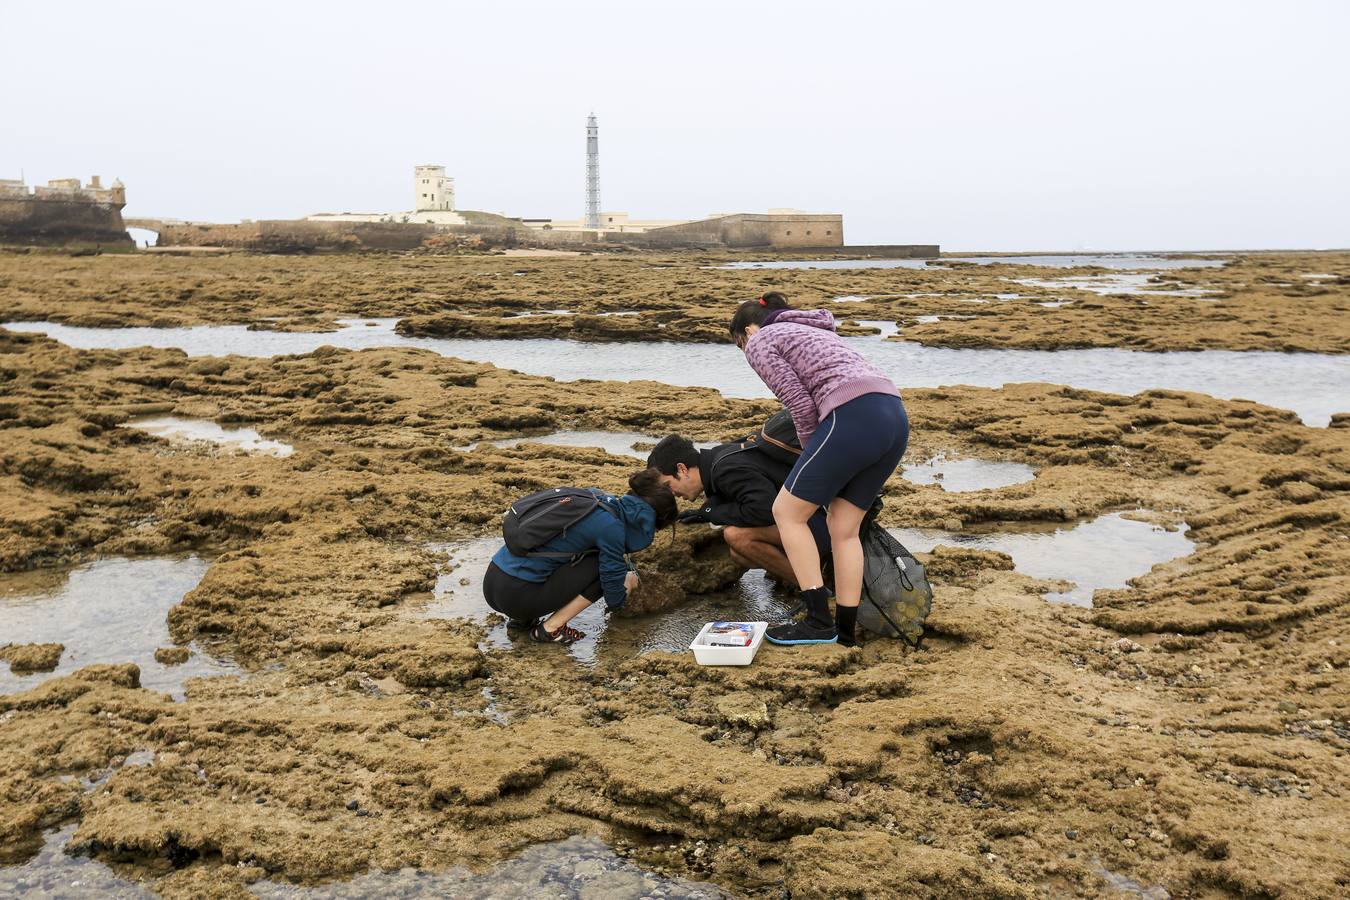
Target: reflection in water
{"x": 1104, "y": 553}
{"x": 967, "y": 474}
{"x": 109, "y": 611}
{"x": 1313, "y": 385}
{"x": 53, "y": 874}
{"x": 578, "y": 867}
{"x": 179, "y": 430}
{"x": 459, "y": 594}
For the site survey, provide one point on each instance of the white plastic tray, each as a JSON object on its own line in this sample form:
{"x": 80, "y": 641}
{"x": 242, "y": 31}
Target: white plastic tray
{"x": 708, "y": 655}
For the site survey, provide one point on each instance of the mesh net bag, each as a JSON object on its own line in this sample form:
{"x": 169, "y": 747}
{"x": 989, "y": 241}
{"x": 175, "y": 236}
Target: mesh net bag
{"x": 897, "y": 597}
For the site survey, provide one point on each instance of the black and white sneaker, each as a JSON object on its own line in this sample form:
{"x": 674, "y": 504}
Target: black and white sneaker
{"x": 805, "y": 631}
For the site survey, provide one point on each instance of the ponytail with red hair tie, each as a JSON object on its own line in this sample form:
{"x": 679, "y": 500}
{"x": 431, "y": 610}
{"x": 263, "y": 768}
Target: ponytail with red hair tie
{"x": 761, "y": 302}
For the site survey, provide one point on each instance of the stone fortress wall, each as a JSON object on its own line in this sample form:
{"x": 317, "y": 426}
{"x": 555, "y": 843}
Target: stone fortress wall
{"x": 63, "y": 212}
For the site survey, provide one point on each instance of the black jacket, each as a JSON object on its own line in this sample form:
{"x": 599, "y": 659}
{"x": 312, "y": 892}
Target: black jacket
{"x": 739, "y": 484}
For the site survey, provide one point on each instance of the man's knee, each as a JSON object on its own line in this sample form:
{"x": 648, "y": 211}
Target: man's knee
{"x": 744, "y": 562}
{"x": 736, "y": 537}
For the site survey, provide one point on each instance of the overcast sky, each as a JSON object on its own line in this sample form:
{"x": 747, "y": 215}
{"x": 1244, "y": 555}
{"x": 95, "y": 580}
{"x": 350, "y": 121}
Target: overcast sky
{"x": 977, "y": 125}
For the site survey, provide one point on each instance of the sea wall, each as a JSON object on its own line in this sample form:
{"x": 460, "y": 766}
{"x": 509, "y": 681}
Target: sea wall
{"x": 28, "y": 220}
{"x": 753, "y": 230}
{"x": 303, "y": 236}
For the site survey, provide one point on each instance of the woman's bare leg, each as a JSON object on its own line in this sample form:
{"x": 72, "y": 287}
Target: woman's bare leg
{"x": 791, "y": 515}
{"x": 844, "y": 520}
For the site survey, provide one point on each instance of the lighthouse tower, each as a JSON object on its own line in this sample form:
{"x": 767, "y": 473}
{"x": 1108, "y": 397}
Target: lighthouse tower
{"x": 592, "y": 173}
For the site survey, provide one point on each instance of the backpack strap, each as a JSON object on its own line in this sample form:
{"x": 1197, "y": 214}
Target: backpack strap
{"x": 795, "y": 451}
{"x": 708, "y": 482}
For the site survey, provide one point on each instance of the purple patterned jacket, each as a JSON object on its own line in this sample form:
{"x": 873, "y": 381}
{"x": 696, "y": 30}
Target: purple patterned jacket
{"x": 809, "y": 368}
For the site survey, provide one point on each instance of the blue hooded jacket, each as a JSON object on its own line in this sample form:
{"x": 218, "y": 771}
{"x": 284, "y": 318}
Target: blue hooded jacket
{"x": 634, "y": 530}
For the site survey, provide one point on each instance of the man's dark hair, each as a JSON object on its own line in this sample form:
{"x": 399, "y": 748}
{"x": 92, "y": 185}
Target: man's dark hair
{"x": 670, "y": 452}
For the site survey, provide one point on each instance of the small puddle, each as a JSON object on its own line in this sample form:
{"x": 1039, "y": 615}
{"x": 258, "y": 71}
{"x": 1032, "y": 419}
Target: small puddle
{"x": 1120, "y": 884}
{"x": 1312, "y": 385}
{"x": 1103, "y": 553}
{"x": 459, "y": 594}
{"x": 967, "y": 474}
{"x": 193, "y": 431}
{"x": 54, "y": 874}
{"x": 577, "y": 868}
{"x": 108, "y": 611}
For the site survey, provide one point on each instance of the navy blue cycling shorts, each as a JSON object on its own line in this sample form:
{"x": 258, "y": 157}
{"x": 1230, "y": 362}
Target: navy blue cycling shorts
{"x": 852, "y": 452}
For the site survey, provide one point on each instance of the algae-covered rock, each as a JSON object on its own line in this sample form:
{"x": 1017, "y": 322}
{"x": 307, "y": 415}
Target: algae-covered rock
{"x": 831, "y": 863}
{"x": 743, "y": 708}
{"x": 681, "y": 562}
{"x": 23, "y": 658}
{"x": 172, "y": 656}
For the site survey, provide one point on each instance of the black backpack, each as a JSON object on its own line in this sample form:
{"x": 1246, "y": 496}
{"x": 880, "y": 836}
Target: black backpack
{"x": 777, "y": 439}
{"x": 895, "y": 586}
{"x": 534, "y": 520}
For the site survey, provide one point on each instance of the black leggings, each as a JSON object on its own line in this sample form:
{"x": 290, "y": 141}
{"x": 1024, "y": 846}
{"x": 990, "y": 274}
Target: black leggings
{"x": 517, "y": 598}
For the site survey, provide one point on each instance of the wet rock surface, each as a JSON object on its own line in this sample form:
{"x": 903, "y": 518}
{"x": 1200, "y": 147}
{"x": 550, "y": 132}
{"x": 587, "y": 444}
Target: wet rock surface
{"x": 1255, "y": 301}
{"x": 1188, "y": 731}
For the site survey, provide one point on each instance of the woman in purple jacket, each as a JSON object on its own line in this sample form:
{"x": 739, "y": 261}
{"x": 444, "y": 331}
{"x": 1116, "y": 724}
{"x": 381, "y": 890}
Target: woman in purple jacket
{"x": 853, "y": 430}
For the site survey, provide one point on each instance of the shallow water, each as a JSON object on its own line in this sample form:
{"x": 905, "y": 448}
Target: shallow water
{"x": 931, "y": 319}
{"x": 1311, "y": 384}
{"x": 578, "y": 867}
{"x": 1121, "y": 261}
{"x": 52, "y": 874}
{"x": 1103, "y": 553}
{"x": 1119, "y": 884}
{"x": 887, "y": 327}
{"x": 619, "y": 443}
{"x": 179, "y": 430}
{"x": 1120, "y": 283}
{"x": 967, "y": 474}
{"x": 108, "y": 611}
{"x": 607, "y": 637}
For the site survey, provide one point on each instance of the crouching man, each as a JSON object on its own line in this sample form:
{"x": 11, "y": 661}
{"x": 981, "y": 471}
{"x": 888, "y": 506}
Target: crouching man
{"x": 739, "y": 483}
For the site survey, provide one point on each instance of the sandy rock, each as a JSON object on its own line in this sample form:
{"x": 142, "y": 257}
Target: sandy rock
{"x": 743, "y": 708}
{"x": 172, "y": 656}
{"x": 23, "y": 658}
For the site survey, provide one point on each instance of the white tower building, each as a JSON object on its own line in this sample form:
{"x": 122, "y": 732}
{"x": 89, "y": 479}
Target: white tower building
{"x": 592, "y": 173}
{"x": 433, "y": 190}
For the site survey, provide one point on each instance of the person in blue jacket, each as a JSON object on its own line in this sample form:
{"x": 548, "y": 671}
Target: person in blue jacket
{"x": 544, "y": 593}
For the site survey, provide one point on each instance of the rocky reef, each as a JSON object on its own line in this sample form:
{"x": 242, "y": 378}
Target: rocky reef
{"x": 1188, "y": 731}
